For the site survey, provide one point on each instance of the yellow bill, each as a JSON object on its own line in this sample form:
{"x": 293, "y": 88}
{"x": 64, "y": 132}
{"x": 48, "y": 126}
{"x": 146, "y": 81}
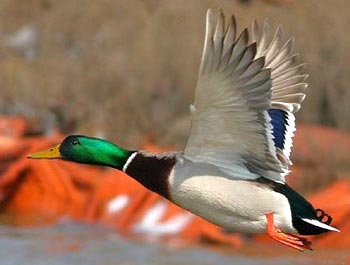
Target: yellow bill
{"x": 51, "y": 153}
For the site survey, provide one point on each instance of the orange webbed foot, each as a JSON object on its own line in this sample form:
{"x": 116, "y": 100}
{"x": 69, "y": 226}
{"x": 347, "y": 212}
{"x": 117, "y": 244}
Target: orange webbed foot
{"x": 292, "y": 241}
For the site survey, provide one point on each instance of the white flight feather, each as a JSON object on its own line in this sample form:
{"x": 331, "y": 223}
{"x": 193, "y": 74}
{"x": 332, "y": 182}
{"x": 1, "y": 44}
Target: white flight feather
{"x": 319, "y": 224}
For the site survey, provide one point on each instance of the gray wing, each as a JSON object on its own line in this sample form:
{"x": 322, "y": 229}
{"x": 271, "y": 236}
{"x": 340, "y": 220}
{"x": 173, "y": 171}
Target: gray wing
{"x": 231, "y": 126}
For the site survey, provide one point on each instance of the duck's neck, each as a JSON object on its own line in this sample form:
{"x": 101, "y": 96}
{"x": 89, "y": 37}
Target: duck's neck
{"x": 151, "y": 171}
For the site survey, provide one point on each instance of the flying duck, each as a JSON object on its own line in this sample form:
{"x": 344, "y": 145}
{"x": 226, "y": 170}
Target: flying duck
{"x": 233, "y": 168}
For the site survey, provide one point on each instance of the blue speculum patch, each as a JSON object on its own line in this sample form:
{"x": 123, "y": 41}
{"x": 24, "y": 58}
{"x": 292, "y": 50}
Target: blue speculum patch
{"x": 279, "y": 121}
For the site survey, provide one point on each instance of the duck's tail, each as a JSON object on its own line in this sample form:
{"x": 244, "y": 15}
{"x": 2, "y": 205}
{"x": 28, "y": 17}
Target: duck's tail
{"x": 320, "y": 224}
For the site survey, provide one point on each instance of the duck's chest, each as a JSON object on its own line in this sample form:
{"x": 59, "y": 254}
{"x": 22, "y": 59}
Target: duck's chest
{"x": 234, "y": 204}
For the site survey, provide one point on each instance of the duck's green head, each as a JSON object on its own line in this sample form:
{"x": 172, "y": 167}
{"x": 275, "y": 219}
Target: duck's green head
{"x": 86, "y": 150}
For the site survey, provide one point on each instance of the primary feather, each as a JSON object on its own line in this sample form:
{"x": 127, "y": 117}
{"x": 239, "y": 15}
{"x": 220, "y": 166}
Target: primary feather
{"x": 247, "y": 92}
{"x": 288, "y": 85}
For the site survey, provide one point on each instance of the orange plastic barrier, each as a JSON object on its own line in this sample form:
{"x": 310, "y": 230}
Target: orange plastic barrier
{"x": 42, "y": 191}
{"x": 39, "y": 192}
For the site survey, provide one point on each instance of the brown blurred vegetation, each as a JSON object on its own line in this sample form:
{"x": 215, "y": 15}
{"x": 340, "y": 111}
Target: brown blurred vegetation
{"x": 125, "y": 69}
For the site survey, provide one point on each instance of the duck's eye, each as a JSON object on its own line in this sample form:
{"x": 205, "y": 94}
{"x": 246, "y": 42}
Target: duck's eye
{"x": 75, "y": 142}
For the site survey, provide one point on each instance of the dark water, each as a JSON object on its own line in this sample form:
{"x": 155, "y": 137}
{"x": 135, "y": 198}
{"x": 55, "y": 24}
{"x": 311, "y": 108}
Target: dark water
{"x": 72, "y": 243}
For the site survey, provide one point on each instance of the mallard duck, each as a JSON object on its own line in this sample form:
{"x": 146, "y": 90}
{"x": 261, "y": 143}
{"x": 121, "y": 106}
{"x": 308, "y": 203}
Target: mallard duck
{"x": 232, "y": 170}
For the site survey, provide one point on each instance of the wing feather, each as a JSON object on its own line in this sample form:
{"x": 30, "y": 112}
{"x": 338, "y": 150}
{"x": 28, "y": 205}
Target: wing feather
{"x": 242, "y": 115}
{"x": 229, "y": 113}
{"x": 288, "y": 87}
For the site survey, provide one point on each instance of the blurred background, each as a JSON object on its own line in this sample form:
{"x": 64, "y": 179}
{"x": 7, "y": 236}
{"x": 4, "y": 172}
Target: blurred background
{"x": 126, "y": 71}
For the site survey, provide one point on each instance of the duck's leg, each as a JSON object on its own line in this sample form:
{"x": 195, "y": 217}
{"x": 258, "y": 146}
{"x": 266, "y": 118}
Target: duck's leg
{"x": 293, "y": 241}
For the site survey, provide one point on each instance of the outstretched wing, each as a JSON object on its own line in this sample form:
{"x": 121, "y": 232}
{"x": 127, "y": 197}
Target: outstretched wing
{"x": 231, "y": 124}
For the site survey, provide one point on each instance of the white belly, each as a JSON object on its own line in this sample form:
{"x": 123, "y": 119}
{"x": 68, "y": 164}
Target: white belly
{"x": 233, "y": 204}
